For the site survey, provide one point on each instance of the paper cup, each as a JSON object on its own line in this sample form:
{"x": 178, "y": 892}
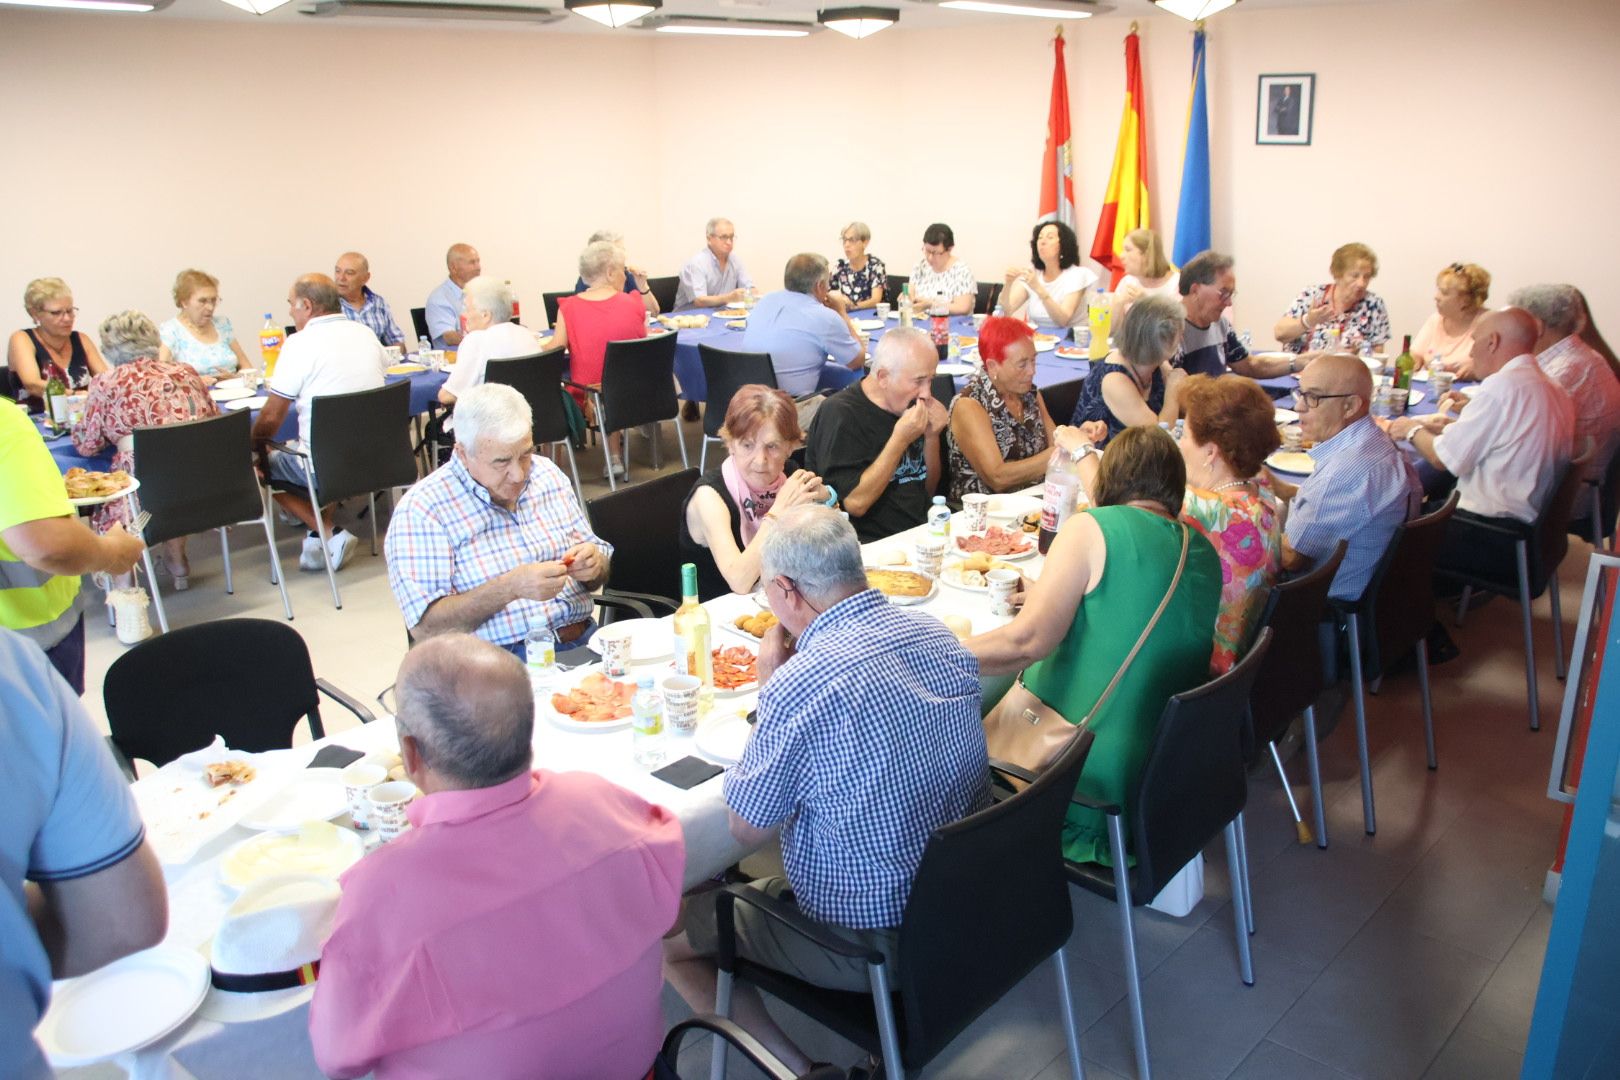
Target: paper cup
{"x": 1441, "y": 381}
{"x": 387, "y": 811}
{"x": 359, "y": 780}
{"x": 1291, "y": 437}
{"x": 977, "y": 511}
{"x": 396, "y": 353}
{"x": 615, "y": 646}
{"x": 928, "y": 553}
{"x": 883, "y": 310}
{"x": 1003, "y": 586}
{"x": 681, "y": 704}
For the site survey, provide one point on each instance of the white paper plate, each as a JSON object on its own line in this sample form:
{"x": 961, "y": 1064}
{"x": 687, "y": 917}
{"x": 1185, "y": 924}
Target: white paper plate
{"x": 1293, "y": 462}
{"x": 868, "y": 324}
{"x": 567, "y": 723}
{"x": 1420, "y": 375}
{"x": 651, "y": 640}
{"x": 1467, "y": 391}
{"x": 957, "y": 549}
{"x": 124, "y": 1006}
{"x": 746, "y": 688}
{"x": 274, "y": 854}
{"x": 956, "y": 367}
{"x": 721, "y": 738}
{"x": 1287, "y": 416}
{"x": 311, "y": 795}
{"x": 1044, "y": 346}
{"x": 97, "y": 500}
{"x": 229, "y": 384}
{"x": 1069, "y": 351}
{"x": 221, "y": 393}
{"x": 1010, "y": 507}
{"x": 247, "y": 403}
{"x": 1413, "y": 397}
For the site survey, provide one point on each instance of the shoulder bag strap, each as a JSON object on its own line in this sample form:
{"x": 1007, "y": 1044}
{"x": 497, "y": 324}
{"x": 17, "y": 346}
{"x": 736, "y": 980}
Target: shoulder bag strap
{"x": 1181, "y": 564}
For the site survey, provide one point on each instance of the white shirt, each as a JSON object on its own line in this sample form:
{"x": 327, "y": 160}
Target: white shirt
{"x": 1506, "y": 447}
{"x": 330, "y": 355}
{"x": 1595, "y": 392}
{"x": 1169, "y": 287}
{"x": 1076, "y": 279}
{"x": 499, "y": 342}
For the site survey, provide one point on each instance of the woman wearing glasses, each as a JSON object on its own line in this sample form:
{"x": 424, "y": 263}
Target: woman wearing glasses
{"x": 940, "y": 276}
{"x": 857, "y": 280}
{"x": 1342, "y": 315}
{"x": 1135, "y": 386}
{"x": 1445, "y": 341}
{"x": 51, "y": 347}
{"x": 196, "y": 336}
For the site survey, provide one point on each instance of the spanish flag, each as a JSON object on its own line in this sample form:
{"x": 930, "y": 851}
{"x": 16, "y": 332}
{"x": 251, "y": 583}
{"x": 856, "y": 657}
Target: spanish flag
{"x": 1126, "y": 205}
{"x": 1057, "y": 166}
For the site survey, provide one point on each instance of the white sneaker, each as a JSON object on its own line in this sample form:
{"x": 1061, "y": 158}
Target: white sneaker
{"x": 287, "y": 517}
{"x": 616, "y": 468}
{"x": 310, "y": 557}
{"x": 340, "y": 547}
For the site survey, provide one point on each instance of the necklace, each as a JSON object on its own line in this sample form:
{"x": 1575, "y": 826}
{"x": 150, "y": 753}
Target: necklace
{"x": 1230, "y": 484}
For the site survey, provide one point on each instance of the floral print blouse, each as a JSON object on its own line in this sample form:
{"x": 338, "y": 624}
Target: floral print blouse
{"x": 1243, "y": 525}
{"x": 1365, "y": 324}
{"x": 1016, "y": 439}
{"x": 858, "y": 285}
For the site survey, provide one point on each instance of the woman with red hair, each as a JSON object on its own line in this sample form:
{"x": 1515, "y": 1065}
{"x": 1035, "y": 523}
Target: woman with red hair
{"x": 1001, "y": 434}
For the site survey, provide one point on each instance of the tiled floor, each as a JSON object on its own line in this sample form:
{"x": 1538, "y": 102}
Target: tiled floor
{"x": 1412, "y": 953}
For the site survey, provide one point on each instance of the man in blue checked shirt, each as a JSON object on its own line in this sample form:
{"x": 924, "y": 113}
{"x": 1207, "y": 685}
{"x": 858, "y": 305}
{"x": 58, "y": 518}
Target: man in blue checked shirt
{"x": 868, "y": 739}
{"x": 494, "y": 542}
{"x": 360, "y": 304}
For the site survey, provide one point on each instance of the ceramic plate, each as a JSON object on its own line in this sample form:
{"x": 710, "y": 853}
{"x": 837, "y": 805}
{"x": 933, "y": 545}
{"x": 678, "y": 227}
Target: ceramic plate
{"x": 651, "y": 640}
{"x": 909, "y": 601}
{"x": 1413, "y": 397}
{"x": 1294, "y": 462}
{"x": 311, "y": 795}
{"x": 745, "y": 688}
{"x": 1045, "y": 343}
{"x": 123, "y": 1006}
{"x": 721, "y": 738}
{"x": 568, "y": 723}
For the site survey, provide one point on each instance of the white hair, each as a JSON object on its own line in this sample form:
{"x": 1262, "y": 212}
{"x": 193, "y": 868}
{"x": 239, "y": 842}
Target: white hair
{"x": 493, "y": 411}
{"x": 1557, "y": 306}
{"x": 893, "y": 347}
{"x": 816, "y": 549}
{"x": 713, "y": 224}
{"x": 614, "y": 238}
{"x": 598, "y": 258}
{"x": 488, "y": 294}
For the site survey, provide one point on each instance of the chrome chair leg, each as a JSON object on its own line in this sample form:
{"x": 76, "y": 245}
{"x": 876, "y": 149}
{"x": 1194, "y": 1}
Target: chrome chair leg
{"x": 1462, "y": 605}
{"x": 888, "y": 1034}
{"x": 573, "y": 468}
{"x": 1313, "y": 765}
{"x": 1370, "y": 820}
{"x": 1300, "y": 828}
{"x": 1234, "y": 863}
{"x": 1531, "y": 691}
{"x": 1127, "y": 936}
{"x": 722, "y": 1007}
{"x": 326, "y": 557}
{"x": 1243, "y": 866}
{"x": 276, "y": 577}
{"x": 1071, "y": 1029}
{"x": 1428, "y": 703}
{"x": 157, "y": 597}
{"x": 225, "y": 557}
{"x": 371, "y": 501}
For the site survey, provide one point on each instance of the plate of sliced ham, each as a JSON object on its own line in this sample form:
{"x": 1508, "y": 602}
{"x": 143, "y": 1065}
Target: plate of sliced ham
{"x": 593, "y": 703}
{"x": 997, "y": 541}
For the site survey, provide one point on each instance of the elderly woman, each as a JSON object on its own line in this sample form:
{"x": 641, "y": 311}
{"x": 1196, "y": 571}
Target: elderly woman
{"x": 857, "y": 281}
{"x": 604, "y": 312}
{"x": 1106, "y": 573}
{"x": 1446, "y": 340}
{"x": 1342, "y": 315}
{"x": 52, "y": 348}
{"x": 1054, "y": 292}
{"x": 486, "y": 307}
{"x": 731, "y": 509}
{"x": 143, "y": 389}
{"x": 940, "y": 277}
{"x": 196, "y": 336}
{"x": 635, "y": 279}
{"x": 1147, "y": 273}
{"x": 1135, "y": 385}
{"x": 1001, "y": 434}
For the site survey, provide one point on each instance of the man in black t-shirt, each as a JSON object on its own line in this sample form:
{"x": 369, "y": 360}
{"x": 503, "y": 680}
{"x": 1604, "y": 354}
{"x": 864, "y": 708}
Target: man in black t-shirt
{"x": 878, "y": 440}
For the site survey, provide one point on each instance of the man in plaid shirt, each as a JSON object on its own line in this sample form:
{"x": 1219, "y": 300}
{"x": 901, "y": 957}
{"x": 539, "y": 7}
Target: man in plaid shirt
{"x": 360, "y": 304}
{"x": 869, "y": 738}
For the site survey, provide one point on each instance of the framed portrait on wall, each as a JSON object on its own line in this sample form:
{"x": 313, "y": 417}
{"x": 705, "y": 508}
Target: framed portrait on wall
{"x": 1283, "y": 110}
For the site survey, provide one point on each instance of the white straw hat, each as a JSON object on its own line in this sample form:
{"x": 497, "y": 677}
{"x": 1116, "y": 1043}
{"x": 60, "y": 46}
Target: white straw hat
{"x": 266, "y": 954}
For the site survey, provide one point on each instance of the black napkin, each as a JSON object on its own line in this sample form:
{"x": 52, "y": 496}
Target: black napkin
{"x": 688, "y": 772}
{"x": 334, "y": 757}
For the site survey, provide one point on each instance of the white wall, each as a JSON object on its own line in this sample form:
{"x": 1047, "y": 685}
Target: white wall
{"x": 1445, "y": 129}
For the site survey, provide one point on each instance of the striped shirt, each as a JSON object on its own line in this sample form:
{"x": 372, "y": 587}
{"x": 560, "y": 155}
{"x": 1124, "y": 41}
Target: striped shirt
{"x": 1362, "y": 490}
{"x": 376, "y": 314}
{"x": 448, "y": 536}
{"x": 868, "y": 739}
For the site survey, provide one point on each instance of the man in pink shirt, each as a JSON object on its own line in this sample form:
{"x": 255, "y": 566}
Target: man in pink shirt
{"x": 514, "y": 930}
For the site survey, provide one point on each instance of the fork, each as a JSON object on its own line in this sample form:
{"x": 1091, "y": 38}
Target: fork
{"x": 138, "y": 523}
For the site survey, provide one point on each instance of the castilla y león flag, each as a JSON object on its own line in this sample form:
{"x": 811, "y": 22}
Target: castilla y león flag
{"x": 1126, "y": 205}
{"x": 1057, "y": 166}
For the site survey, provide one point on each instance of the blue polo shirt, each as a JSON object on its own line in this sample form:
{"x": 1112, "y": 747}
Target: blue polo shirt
{"x": 800, "y": 333}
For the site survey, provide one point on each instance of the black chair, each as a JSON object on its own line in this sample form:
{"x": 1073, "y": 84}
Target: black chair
{"x": 359, "y": 444}
{"x": 753, "y": 1051}
{"x": 289, "y": 330}
{"x": 638, "y": 388}
{"x": 198, "y": 475}
{"x": 249, "y": 680}
{"x": 1603, "y": 505}
{"x": 724, "y": 371}
{"x": 984, "y": 302}
{"x": 892, "y": 284}
{"x": 539, "y": 378}
{"x": 641, "y": 522}
{"x": 419, "y": 323}
{"x": 1538, "y": 549}
{"x": 994, "y": 878}
{"x": 1192, "y": 788}
{"x": 551, "y": 300}
{"x": 663, "y": 291}
{"x": 1061, "y": 398}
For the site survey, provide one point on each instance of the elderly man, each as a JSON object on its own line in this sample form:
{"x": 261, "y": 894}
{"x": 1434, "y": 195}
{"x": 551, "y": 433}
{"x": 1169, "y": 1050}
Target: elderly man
{"x": 1363, "y": 486}
{"x": 878, "y": 440}
{"x": 493, "y": 542}
{"x": 836, "y": 764}
{"x": 514, "y": 930}
{"x": 444, "y": 303}
{"x": 714, "y": 277}
{"x": 1505, "y": 448}
{"x": 79, "y": 885}
{"x": 329, "y": 354}
{"x": 361, "y": 304}
{"x": 800, "y": 327}
{"x": 1577, "y": 367}
{"x": 1209, "y": 346}
{"x": 635, "y": 278}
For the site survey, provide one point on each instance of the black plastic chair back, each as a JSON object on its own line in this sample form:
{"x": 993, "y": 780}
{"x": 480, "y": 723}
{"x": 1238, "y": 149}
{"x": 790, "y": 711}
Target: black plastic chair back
{"x": 551, "y": 300}
{"x": 419, "y": 322}
{"x": 538, "y": 377}
{"x": 724, "y": 371}
{"x": 943, "y": 388}
{"x": 638, "y": 383}
{"x": 1403, "y": 598}
{"x": 1607, "y": 494}
{"x": 892, "y": 284}
{"x": 640, "y": 522}
{"x": 984, "y": 300}
{"x": 197, "y": 475}
{"x": 361, "y": 442}
{"x": 1290, "y": 676}
{"x": 1549, "y": 542}
{"x": 1061, "y": 398}
{"x": 249, "y": 680}
{"x": 664, "y": 290}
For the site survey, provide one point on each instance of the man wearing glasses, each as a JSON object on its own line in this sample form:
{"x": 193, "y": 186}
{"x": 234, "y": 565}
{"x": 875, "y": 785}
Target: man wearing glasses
{"x": 714, "y": 277}
{"x": 1363, "y": 486}
{"x": 1209, "y": 346}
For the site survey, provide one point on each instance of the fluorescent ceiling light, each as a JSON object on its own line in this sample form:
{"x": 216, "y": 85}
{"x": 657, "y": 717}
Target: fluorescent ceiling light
{"x": 1194, "y": 9}
{"x": 858, "y": 22}
{"x": 699, "y": 24}
{"x": 256, "y": 7}
{"x": 84, "y": 5}
{"x": 457, "y": 11}
{"x": 1037, "y": 10}
{"x": 613, "y": 14}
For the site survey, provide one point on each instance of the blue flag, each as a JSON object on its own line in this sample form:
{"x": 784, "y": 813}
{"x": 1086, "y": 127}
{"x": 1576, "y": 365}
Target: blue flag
{"x": 1192, "y": 212}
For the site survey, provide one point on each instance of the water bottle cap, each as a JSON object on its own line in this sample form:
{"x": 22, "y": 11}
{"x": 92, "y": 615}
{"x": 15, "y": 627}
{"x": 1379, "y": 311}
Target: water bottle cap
{"x": 645, "y": 682}
{"x": 939, "y": 500}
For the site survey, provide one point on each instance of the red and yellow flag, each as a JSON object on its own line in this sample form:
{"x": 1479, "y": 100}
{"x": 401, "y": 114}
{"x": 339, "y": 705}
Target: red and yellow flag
{"x": 1126, "y": 205}
{"x": 1057, "y": 165}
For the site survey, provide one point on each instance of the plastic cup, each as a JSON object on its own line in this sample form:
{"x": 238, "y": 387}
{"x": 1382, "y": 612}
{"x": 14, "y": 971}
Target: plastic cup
{"x": 1291, "y": 437}
{"x": 1441, "y": 381}
{"x": 928, "y": 554}
{"x": 1003, "y": 587}
{"x": 359, "y": 780}
{"x": 883, "y": 310}
{"x": 615, "y": 646}
{"x": 388, "y": 803}
{"x": 976, "y": 509}
{"x": 396, "y": 353}
{"x": 681, "y": 704}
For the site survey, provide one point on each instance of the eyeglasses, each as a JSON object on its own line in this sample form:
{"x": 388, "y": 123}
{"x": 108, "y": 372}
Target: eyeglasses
{"x": 725, "y": 237}
{"x": 60, "y": 313}
{"x": 1310, "y": 399}
{"x": 1225, "y": 294}
{"x": 1455, "y": 268}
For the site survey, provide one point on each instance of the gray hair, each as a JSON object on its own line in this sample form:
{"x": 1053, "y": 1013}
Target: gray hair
{"x": 614, "y": 238}
{"x": 598, "y": 258}
{"x": 1557, "y": 306}
{"x": 468, "y": 705}
{"x": 1202, "y": 269}
{"x": 493, "y": 411}
{"x": 859, "y": 231}
{"x": 816, "y": 549}
{"x": 127, "y": 336}
{"x": 1150, "y": 331}
{"x": 320, "y": 291}
{"x": 804, "y": 272}
{"x": 893, "y": 347}
{"x": 714, "y": 223}
{"x": 491, "y": 295}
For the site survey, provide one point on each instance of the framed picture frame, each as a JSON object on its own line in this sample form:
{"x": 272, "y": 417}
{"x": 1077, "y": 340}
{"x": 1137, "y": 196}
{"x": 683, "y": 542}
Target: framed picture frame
{"x": 1285, "y": 109}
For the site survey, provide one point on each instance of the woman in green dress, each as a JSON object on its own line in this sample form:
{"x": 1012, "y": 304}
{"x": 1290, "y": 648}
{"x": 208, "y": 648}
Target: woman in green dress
{"x": 1105, "y": 575}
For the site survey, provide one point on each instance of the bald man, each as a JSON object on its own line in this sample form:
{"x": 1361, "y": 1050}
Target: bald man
{"x": 525, "y": 908}
{"x": 360, "y": 304}
{"x": 1363, "y": 486}
{"x": 327, "y": 355}
{"x": 444, "y": 303}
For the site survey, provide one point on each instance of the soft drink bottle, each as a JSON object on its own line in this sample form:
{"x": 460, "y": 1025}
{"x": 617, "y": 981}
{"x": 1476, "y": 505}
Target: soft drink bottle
{"x": 1060, "y": 493}
{"x": 270, "y": 338}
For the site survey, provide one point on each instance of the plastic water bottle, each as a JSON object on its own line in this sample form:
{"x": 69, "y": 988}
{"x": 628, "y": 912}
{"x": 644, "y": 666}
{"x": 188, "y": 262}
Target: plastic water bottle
{"x": 540, "y": 654}
{"x": 1059, "y": 494}
{"x": 1247, "y": 339}
{"x": 647, "y": 708}
{"x": 939, "y": 517}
